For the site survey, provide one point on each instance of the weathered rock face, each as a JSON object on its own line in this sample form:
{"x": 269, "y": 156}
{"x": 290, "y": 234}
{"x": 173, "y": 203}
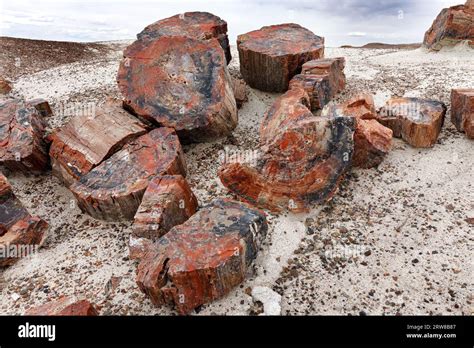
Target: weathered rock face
{"x": 462, "y": 110}
{"x": 453, "y": 25}
{"x": 372, "y": 141}
{"x": 5, "y": 86}
{"x": 113, "y": 190}
{"x": 42, "y": 106}
{"x": 204, "y": 258}
{"x": 196, "y": 25}
{"x": 180, "y": 83}
{"x": 417, "y": 121}
{"x": 303, "y": 159}
{"x": 317, "y": 87}
{"x": 20, "y": 233}
{"x": 331, "y": 67}
{"x": 22, "y": 129}
{"x": 168, "y": 201}
{"x": 240, "y": 92}
{"x": 64, "y": 306}
{"x": 84, "y": 142}
{"x": 271, "y": 56}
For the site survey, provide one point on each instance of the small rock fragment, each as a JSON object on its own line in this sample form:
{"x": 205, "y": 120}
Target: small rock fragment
{"x": 270, "y": 299}
{"x": 462, "y": 111}
{"x": 240, "y": 92}
{"x": 5, "y": 86}
{"x": 64, "y": 306}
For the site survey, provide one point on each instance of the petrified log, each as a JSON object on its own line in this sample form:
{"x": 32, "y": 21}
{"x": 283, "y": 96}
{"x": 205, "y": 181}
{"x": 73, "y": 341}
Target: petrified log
{"x": 204, "y": 258}
{"x": 180, "y": 83}
{"x": 84, "y": 142}
{"x": 64, "y": 306}
{"x": 331, "y": 67}
{"x": 417, "y": 121}
{"x": 317, "y": 87}
{"x": 22, "y": 129}
{"x": 42, "y": 106}
{"x": 168, "y": 201}
{"x": 113, "y": 190}
{"x": 20, "y": 233}
{"x": 453, "y": 25}
{"x": 271, "y": 56}
{"x": 196, "y": 25}
{"x": 5, "y": 86}
{"x": 462, "y": 110}
{"x": 240, "y": 92}
{"x": 372, "y": 141}
{"x": 304, "y": 157}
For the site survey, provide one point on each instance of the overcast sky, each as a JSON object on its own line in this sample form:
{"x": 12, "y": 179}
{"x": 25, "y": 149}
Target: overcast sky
{"x": 341, "y": 22}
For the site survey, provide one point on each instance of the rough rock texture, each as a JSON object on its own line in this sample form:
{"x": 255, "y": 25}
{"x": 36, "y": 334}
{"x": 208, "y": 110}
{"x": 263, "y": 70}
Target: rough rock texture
{"x": 20, "y": 233}
{"x": 317, "y": 87}
{"x": 372, "y": 141}
{"x": 204, "y": 258}
{"x": 180, "y": 83}
{"x": 271, "y": 56}
{"x": 113, "y": 190}
{"x": 65, "y": 306}
{"x": 196, "y": 25}
{"x": 453, "y": 25}
{"x": 332, "y": 67}
{"x": 168, "y": 201}
{"x": 417, "y": 121}
{"x": 22, "y": 129}
{"x": 42, "y": 106}
{"x": 304, "y": 157}
{"x": 5, "y": 86}
{"x": 85, "y": 141}
{"x": 240, "y": 92}
{"x": 462, "y": 110}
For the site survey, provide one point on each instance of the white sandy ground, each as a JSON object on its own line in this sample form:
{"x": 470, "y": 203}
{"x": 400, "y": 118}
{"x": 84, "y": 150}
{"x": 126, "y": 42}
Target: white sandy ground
{"x": 404, "y": 244}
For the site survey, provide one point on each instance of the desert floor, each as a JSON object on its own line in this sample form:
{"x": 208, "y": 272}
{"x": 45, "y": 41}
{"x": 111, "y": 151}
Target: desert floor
{"x": 394, "y": 240}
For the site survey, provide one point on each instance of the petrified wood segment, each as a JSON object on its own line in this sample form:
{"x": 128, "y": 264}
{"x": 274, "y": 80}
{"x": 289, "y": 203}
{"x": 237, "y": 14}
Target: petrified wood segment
{"x": 168, "y": 201}
{"x": 86, "y": 141}
{"x": 196, "y": 25}
{"x": 240, "y": 91}
{"x": 372, "y": 141}
{"x": 22, "y": 129}
{"x": 453, "y": 25}
{"x": 271, "y": 56}
{"x": 64, "y": 306}
{"x": 20, "y": 233}
{"x": 417, "y": 121}
{"x": 180, "y": 83}
{"x": 304, "y": 157}
{"x": 42, "y": 106}
{"x": 113, "y": 190}
{"x": 317, "y": 87}
{"x": 204, "y": 258}
{"x": 462, "y": 110}
{"x": 331, "y": 67}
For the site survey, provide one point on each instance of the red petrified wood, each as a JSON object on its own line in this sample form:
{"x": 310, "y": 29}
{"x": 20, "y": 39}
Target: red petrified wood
{"x": 64, "y": 306}
{"x": 5, "y": 86}
{"x": 204, "y": 258}
{"x": 22, "y": 129}
{"x": 417, "y": 121}
{"x": 20, "y": 233}
{"x": 271, "y": 56}
{"x": 181, "y": 83}
{"x": 372, "y": 141}
{"x": 168, "y": 201}
{"x": 84, "y": 142}
{"x": 462, "y": 110}
{"x": 240, "y": 91}
{"x": 453, "y": 25}
{"x": 113, "y": 190}
{"x": 304, "y": 157}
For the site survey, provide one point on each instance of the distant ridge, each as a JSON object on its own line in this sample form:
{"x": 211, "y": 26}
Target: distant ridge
{"x": 379, "y": 45}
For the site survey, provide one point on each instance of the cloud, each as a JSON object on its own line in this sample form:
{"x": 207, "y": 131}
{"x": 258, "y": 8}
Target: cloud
{"x": 357, "y": 34}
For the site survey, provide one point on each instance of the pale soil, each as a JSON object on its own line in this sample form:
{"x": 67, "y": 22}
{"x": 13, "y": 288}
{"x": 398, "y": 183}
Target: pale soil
{"x": 408, "y": 247}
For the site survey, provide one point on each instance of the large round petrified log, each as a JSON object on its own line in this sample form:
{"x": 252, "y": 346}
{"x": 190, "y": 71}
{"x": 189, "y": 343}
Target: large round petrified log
{"x": 65, "y": 306}
{"x": 452, "y": 26}
{"x": 271, "y": 56}
{"x": 20, "y": 233}
{"x": 204, "y": 258}
{"x": 304, "y": 157}
{"x": 462, "y": 110}
{"x": 168, "y": 201}
{"x": 180, "y": 83}
{"x": 85, "y": 141}
{"x": 196, "y": 25}
{"x": 114, "y": 189}
{"x": 22, "y": 129}
{"x": 417, "y": 121}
